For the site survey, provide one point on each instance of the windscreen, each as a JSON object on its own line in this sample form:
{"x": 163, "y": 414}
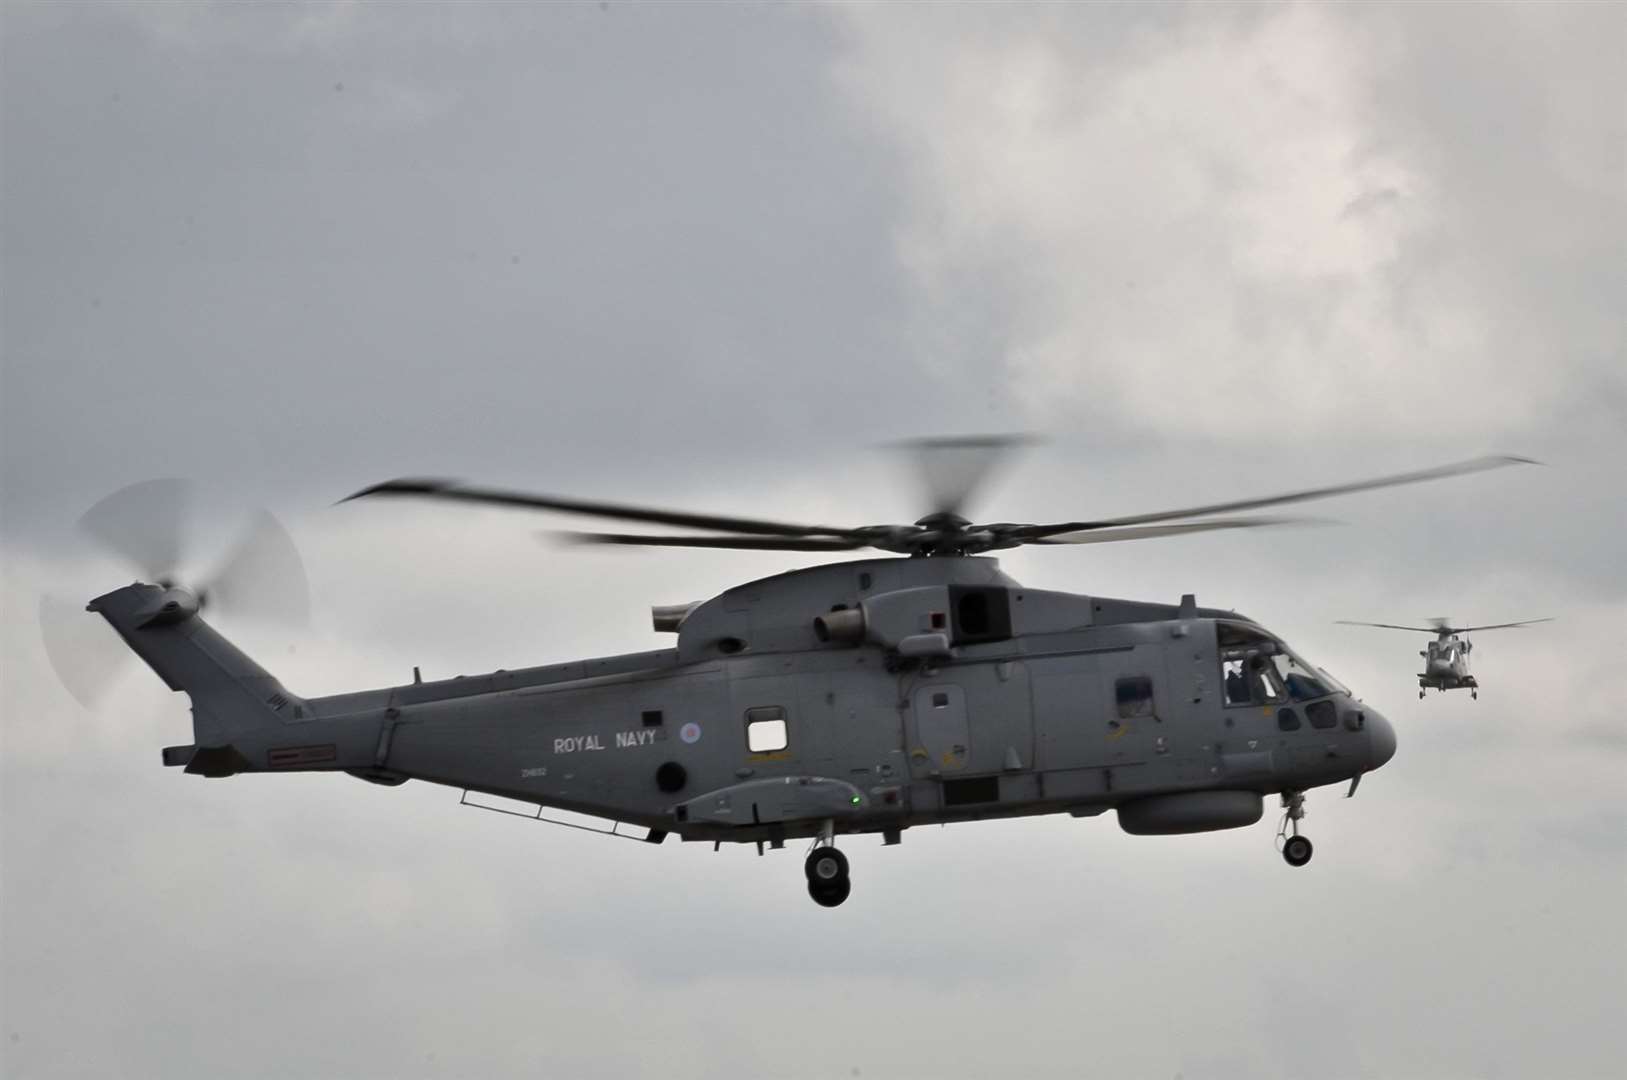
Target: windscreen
{"x": 1258, "y": 669}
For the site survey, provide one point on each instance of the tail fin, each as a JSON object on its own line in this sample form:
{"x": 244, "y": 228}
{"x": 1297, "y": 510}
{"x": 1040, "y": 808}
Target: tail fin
{"x": 231, "y": 694}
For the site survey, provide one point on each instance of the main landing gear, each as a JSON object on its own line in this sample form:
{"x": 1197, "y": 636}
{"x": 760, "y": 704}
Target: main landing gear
{"x": 828, "y": 882}
{"x": 826, "y": 868}
{"x": 1296, "y": 849}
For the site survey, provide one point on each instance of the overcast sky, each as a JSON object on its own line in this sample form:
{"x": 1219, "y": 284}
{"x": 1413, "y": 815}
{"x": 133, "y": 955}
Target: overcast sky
{"x": 715, "y": 256}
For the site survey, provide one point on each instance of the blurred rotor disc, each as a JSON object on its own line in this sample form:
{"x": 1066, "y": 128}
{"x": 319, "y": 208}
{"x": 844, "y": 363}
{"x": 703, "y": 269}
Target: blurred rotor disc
{"x": 147, "y": 526}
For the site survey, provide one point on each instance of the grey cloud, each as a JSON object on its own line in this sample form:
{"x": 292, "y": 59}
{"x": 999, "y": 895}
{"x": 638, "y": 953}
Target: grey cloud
{"x": 492, "y": 279}
{"x": 1372, "y": 201}
{"x": 699, "y": 257}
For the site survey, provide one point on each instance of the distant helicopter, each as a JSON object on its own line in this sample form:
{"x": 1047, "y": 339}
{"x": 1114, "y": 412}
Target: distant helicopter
{"x": 869, "y": 696}
{"x": 1446, "y": 659}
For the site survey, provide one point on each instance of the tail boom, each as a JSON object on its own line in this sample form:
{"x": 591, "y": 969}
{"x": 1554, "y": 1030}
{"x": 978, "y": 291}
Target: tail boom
{"x": 243, "y": 719}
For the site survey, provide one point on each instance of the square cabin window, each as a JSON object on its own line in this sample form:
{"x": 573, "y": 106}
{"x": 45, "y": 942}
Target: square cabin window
{"x": 1134, "y": 696}
{"x": 766, "y": 731}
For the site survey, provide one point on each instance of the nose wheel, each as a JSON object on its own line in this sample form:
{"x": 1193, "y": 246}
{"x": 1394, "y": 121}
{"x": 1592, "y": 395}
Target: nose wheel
{"x": 1296, "y": 849}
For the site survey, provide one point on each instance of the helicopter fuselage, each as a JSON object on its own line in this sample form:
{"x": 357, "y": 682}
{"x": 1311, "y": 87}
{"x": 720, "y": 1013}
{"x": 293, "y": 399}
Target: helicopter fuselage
{"x": 867, "y": 696}
{"x": 1446, "y": 665}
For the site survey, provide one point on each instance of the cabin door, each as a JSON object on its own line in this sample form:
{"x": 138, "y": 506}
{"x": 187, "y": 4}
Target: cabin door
{"x": 940, "y": 740}
{"x": 1136, "y": 706}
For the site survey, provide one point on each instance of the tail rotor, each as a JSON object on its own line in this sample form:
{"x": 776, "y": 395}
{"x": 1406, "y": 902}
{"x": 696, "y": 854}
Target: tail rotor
{"x": 147, "y": 527}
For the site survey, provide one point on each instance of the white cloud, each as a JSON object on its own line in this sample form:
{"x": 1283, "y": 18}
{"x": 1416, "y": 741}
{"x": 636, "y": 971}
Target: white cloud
{"x": 1216, "y": 227}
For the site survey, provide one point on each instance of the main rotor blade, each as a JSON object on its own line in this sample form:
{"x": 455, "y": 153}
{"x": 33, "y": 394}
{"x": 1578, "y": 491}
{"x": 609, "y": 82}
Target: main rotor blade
{"x": 1388, "y": 626}
{"x": 954, "y": 468}
{"x": 454, "y": 491}
{"x": 1461, "y": 468}
{"x": 142, "y": 525}
{"x": 262, "y": 577}
{"x": 756, "y": 543}
{"x": 1502, "y": 625}
{"x": 1151, "y": 532}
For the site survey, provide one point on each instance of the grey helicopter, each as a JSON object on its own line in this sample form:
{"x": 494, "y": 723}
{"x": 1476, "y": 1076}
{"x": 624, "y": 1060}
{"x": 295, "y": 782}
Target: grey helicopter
{"x": 1446, "y": 659}
{"x": 860, "y": 697}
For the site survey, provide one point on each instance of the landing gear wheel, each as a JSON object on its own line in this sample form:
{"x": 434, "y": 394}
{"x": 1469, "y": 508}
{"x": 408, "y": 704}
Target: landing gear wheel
{"x": 828, "y": 882}
{"x": 1296, "y": 850}
{"x": 1475, "y": 694}
{"x": 825, "y": 865}
{"x": 1420, "y": 695}
{"x": 830, "y": 894}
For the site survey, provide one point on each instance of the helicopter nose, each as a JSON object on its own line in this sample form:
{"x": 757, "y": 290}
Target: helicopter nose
{"x": 1380, "y": 739}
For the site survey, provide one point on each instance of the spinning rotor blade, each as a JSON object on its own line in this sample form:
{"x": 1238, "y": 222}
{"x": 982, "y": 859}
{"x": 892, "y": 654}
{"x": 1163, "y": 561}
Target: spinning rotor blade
{"x": 1151, "y": 532}
{"x": 142, "y": 525}
{"x": 756, "y": 543}
{"x": 1444, "y": 626}
{"x": 262, "y": 577}
{"x": 1389, "y": 626}
{"x": 1501, "y": 625}
{"x": 1461, "y": 468}
{"x": 954, "y": 468}
{"x": 452, "y": 490}
{"x": 85, "y": 653}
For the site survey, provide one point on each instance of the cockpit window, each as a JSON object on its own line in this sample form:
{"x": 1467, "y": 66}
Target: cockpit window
{"x": 1257, "y": 669}
{"x": 1444, "y": 651}
{"x": 1333, "y": 684}
{"x": 1303, "y": 681}
{"x": 1251, "y": 680}
{"x": 1236, "y": 683}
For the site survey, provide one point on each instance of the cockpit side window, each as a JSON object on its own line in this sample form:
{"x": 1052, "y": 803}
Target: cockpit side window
{"x": 1247, "y": 674}
{"x": 1257, "y": 669}
{"x": 1235, "y": 682}
{"x": 1251, "y": 680}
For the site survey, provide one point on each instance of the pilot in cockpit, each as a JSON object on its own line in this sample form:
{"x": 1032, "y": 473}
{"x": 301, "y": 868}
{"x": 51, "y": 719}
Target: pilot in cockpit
{"x": 1258, "y": 669}
{"x": 1236, "y": 686}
